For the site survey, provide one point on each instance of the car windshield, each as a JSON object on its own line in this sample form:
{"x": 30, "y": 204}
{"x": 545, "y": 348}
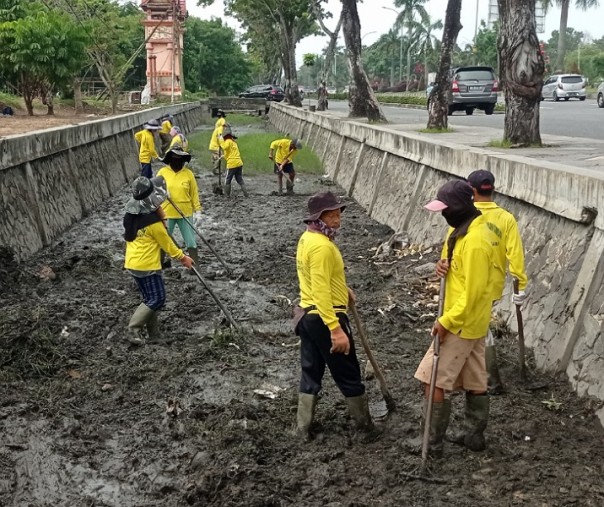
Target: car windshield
{"x": 474, "y": 75}
{"x": 572, "y": 79}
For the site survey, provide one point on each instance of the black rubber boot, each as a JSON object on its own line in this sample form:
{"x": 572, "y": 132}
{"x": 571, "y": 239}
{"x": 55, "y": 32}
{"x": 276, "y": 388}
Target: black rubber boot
{"x": 441, "y": 412}
{"x": 358, "y": 406}
{"x": 494, "y": 381}
{"x": 477, "y": 415}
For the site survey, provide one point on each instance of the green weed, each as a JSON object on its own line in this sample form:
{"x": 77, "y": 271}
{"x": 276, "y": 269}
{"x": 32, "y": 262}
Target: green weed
{"x": 11, "y": 100}
{"x": 436, "y": 131}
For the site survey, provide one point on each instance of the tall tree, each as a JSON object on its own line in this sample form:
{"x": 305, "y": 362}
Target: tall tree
{"x": 564, "y": 8}
{"x": 213, "y": 59}
{"x": 361, "y": 99}
{"x": 41, "y": 50}
{"x": 426, "y": 41}
{"x": 521, "y": 71}
{"x": 331, "y": 46}
{"x": 438, "y": 110}
{"x": 290, "y": 21}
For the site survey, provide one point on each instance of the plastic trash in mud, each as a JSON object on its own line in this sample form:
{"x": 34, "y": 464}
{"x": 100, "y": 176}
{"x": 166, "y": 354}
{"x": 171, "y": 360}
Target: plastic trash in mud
{"x": 268, "y": 391}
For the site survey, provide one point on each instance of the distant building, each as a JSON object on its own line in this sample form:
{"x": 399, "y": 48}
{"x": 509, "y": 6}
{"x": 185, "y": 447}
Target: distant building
{"x": 164, "y": 28}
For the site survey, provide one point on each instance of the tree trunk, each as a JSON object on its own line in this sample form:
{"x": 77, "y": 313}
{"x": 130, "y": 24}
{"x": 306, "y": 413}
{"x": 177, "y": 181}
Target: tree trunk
{"x": 77, "y": 95}
{"x": 330, "y": 52}
{"x": 521, "y": 71}
{"x": 361, "y": 99}
{"x": 288, "y": 43}
{"x": 564, "y": 6}
{"x": 438, "y": 112}
{"x": 50, "y": 104}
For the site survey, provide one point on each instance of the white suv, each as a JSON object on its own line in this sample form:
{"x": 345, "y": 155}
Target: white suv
{"x": 564, "y": 86}
{"x": 600, "y": 95}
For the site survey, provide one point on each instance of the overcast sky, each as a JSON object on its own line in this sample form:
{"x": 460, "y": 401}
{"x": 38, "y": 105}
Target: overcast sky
{"x": 375, "y": 20}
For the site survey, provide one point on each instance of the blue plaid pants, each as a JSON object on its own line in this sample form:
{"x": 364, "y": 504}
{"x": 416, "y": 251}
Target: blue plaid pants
{"x": 153, "y": 290}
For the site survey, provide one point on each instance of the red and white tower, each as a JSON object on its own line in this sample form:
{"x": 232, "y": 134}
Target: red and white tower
{"x": 164, "y": 28}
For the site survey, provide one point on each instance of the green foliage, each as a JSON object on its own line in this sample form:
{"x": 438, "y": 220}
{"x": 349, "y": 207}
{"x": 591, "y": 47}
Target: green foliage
{"x": 309, "y": 59}
{"x": 254, "y": 152}
{"x": 436, "y": 131}
{"x": 213, "y": 60}
{"x": 11, "y": 100}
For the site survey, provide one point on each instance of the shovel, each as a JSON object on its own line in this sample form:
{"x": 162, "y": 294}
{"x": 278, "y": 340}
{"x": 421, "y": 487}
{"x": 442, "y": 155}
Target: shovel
{"x": 436, "y": 357}
{"x": 390, "y": 405}
{"x": 224, "y": 309}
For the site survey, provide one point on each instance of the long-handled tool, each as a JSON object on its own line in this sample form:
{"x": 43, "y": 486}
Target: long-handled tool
{"x": 436, "y": 357}
{"x": 521, "y": 353}
{"x": 390, "y": 404}
{"x": 179, "y": 211}
{"x": 224, "y": 309}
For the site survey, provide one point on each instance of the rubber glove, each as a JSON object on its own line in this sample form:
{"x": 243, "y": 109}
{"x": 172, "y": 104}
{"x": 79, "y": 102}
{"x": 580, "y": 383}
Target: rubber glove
{"x": 198, "y": 218}
{"x": 519, "y": 298}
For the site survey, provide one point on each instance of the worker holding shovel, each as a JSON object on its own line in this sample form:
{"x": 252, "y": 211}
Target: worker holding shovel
{"x": 183, "y": 191}
{"x": 214, "y": 146}
{"x": 509, "y": 255}
{"x": 234, "y": 163}
{"x": 282, "y": 152}
{"x": 462, "y": 328}
{"x": 167, "y": 122}
{"x": 146, "y": 236}
{"x": 321, "y": 321}
{"x": 147, "y": 151}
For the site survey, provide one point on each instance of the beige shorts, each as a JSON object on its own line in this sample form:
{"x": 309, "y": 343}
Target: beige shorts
{"x": 461, "y": 365}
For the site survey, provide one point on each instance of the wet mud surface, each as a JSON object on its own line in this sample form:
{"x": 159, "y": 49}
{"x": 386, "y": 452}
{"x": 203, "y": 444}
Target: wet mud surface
{"x": 87, "y": 420}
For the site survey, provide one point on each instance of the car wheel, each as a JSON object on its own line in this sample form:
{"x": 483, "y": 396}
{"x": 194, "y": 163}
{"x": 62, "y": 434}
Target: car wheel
{"x": 542, "y": 98}
{"x": 555, "y": 97}
{"x": 450, "y": 111}
{"x": 582, "y": 98}
{"x": 469, "y": 111}
{"x": 489, "y": 109}
{"x": 600, "y": 100}
{"x": 566, "y": 99}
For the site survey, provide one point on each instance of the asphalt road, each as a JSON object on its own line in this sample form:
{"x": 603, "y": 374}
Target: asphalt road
{"x": 572, "y": 118}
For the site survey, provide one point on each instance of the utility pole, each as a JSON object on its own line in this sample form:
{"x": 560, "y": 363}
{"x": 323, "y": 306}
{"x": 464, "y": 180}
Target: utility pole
{"x": 174, "y": 52}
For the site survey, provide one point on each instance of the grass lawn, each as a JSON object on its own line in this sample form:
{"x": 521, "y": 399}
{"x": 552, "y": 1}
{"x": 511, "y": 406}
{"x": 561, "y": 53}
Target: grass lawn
{"x": 254, "y": 149}
{"x": 241, "y": 120}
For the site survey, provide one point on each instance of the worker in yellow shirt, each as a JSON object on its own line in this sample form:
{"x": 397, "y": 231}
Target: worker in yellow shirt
{"x": 147, "y": 151}
{"x": 234, "y": 163}
{"x": 167, "y": 122}
{"x": 146, "y": 236}
{"x": 464, "y": 324}
{"x": 321, "y": 320}
{"x": 282, "y": 153}
{"x": 214, "y": 144}
{"x": 178, "y": 140}
{"x": 184, "y": 192}
{"x": 509, "y": 256}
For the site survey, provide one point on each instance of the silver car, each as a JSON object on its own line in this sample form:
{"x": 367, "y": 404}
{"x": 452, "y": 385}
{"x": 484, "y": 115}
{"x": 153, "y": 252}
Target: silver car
{"x": 564, "y": 86}
{"x": 600, "y": 95}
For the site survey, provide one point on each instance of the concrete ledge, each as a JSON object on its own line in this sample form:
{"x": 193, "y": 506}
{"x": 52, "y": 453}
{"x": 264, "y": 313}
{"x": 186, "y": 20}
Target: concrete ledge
{"x": 393, "y": 174}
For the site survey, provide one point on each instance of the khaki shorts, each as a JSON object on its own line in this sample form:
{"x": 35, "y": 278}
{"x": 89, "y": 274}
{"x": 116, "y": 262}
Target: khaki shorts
{"x": 461, "y": 365}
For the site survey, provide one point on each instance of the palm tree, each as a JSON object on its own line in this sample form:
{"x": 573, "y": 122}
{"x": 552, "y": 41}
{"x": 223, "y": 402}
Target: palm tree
{"x": 426, "y": 40}
{"x": 407, "y": 17}
{"x": 564, "y": 7}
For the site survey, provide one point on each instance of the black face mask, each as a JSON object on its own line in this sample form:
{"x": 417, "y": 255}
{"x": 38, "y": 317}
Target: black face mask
{"x": 177, "y": 165}
{"x": 457, "y": 218}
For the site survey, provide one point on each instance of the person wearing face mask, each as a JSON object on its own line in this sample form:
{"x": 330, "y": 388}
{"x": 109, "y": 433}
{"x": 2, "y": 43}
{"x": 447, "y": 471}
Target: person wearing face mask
{"x": 146, "y": 237}
{"x": 183, "y": 191}
{"x": 464, "y": 324}
{"x": 320, "y": 319}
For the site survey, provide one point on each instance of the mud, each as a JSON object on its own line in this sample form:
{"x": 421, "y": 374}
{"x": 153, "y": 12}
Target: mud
{"x": 87, "y": 420}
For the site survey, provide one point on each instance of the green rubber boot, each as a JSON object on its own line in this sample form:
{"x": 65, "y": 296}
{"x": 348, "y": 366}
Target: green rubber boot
{"x": 358, "y": 406}
{"x": 142, "y": 315}
{"x": 494, "y": 381}
{"x": 244, "y": 190}
{"x": 477, "y": 415}
{"x": 153, "y": 329}
{"x": 227, "y": 189}
{"x": 306, "y": 413}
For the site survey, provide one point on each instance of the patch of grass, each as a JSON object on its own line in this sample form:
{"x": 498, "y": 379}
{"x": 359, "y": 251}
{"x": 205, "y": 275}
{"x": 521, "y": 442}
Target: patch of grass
{"x": 436, "y": 131}
{"x": 254, "y": 149}
{"x": 11, "y": 100}
{"x": 499, "y": 143}
{"x": 237, "y": 120}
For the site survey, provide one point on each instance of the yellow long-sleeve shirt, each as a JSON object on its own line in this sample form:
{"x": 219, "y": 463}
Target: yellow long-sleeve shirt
{"x": 510, "y": 252}
{"x": 144, "y": 253}
{"x": 220, "y": 123}
{"x": 231, "y": 153}
{"x": 166, "y": 126}
{"x": 147, "y": 146}
{"x": 321, "y": 276}
{"x": 179, "y": 141}
{"x": 281, "y": 150}
{"x": 183, "y": 190}
{"x": 505, "y": 239}
{"x": 468, "y": 295}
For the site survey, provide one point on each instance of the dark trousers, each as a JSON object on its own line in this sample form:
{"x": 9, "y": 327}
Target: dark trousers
{"x": 314, "y": 355}
{"x": 146, "y": 169}
{"x": 153, "y": 290}
{"x": 236, "y": 173}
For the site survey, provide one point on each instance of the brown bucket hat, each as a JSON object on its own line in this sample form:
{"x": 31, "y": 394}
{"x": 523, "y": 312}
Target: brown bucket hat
{"x": 323, "y": 201}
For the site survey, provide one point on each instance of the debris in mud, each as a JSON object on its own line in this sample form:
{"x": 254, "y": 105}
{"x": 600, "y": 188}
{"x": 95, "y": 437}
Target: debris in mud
{"x": 268, "y": 391}
{"x": 46, "y": 273}
{"x": 173, "y": 408}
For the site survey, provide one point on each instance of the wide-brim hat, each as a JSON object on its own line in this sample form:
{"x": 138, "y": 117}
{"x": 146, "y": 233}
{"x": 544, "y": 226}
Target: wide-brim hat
{"x": 152, "y": 125}
{"x": 296, "y": 143}
{"x": 176, "y": 153}
{"x": 323, "y": 201}
{"x": 147, "y": 195}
